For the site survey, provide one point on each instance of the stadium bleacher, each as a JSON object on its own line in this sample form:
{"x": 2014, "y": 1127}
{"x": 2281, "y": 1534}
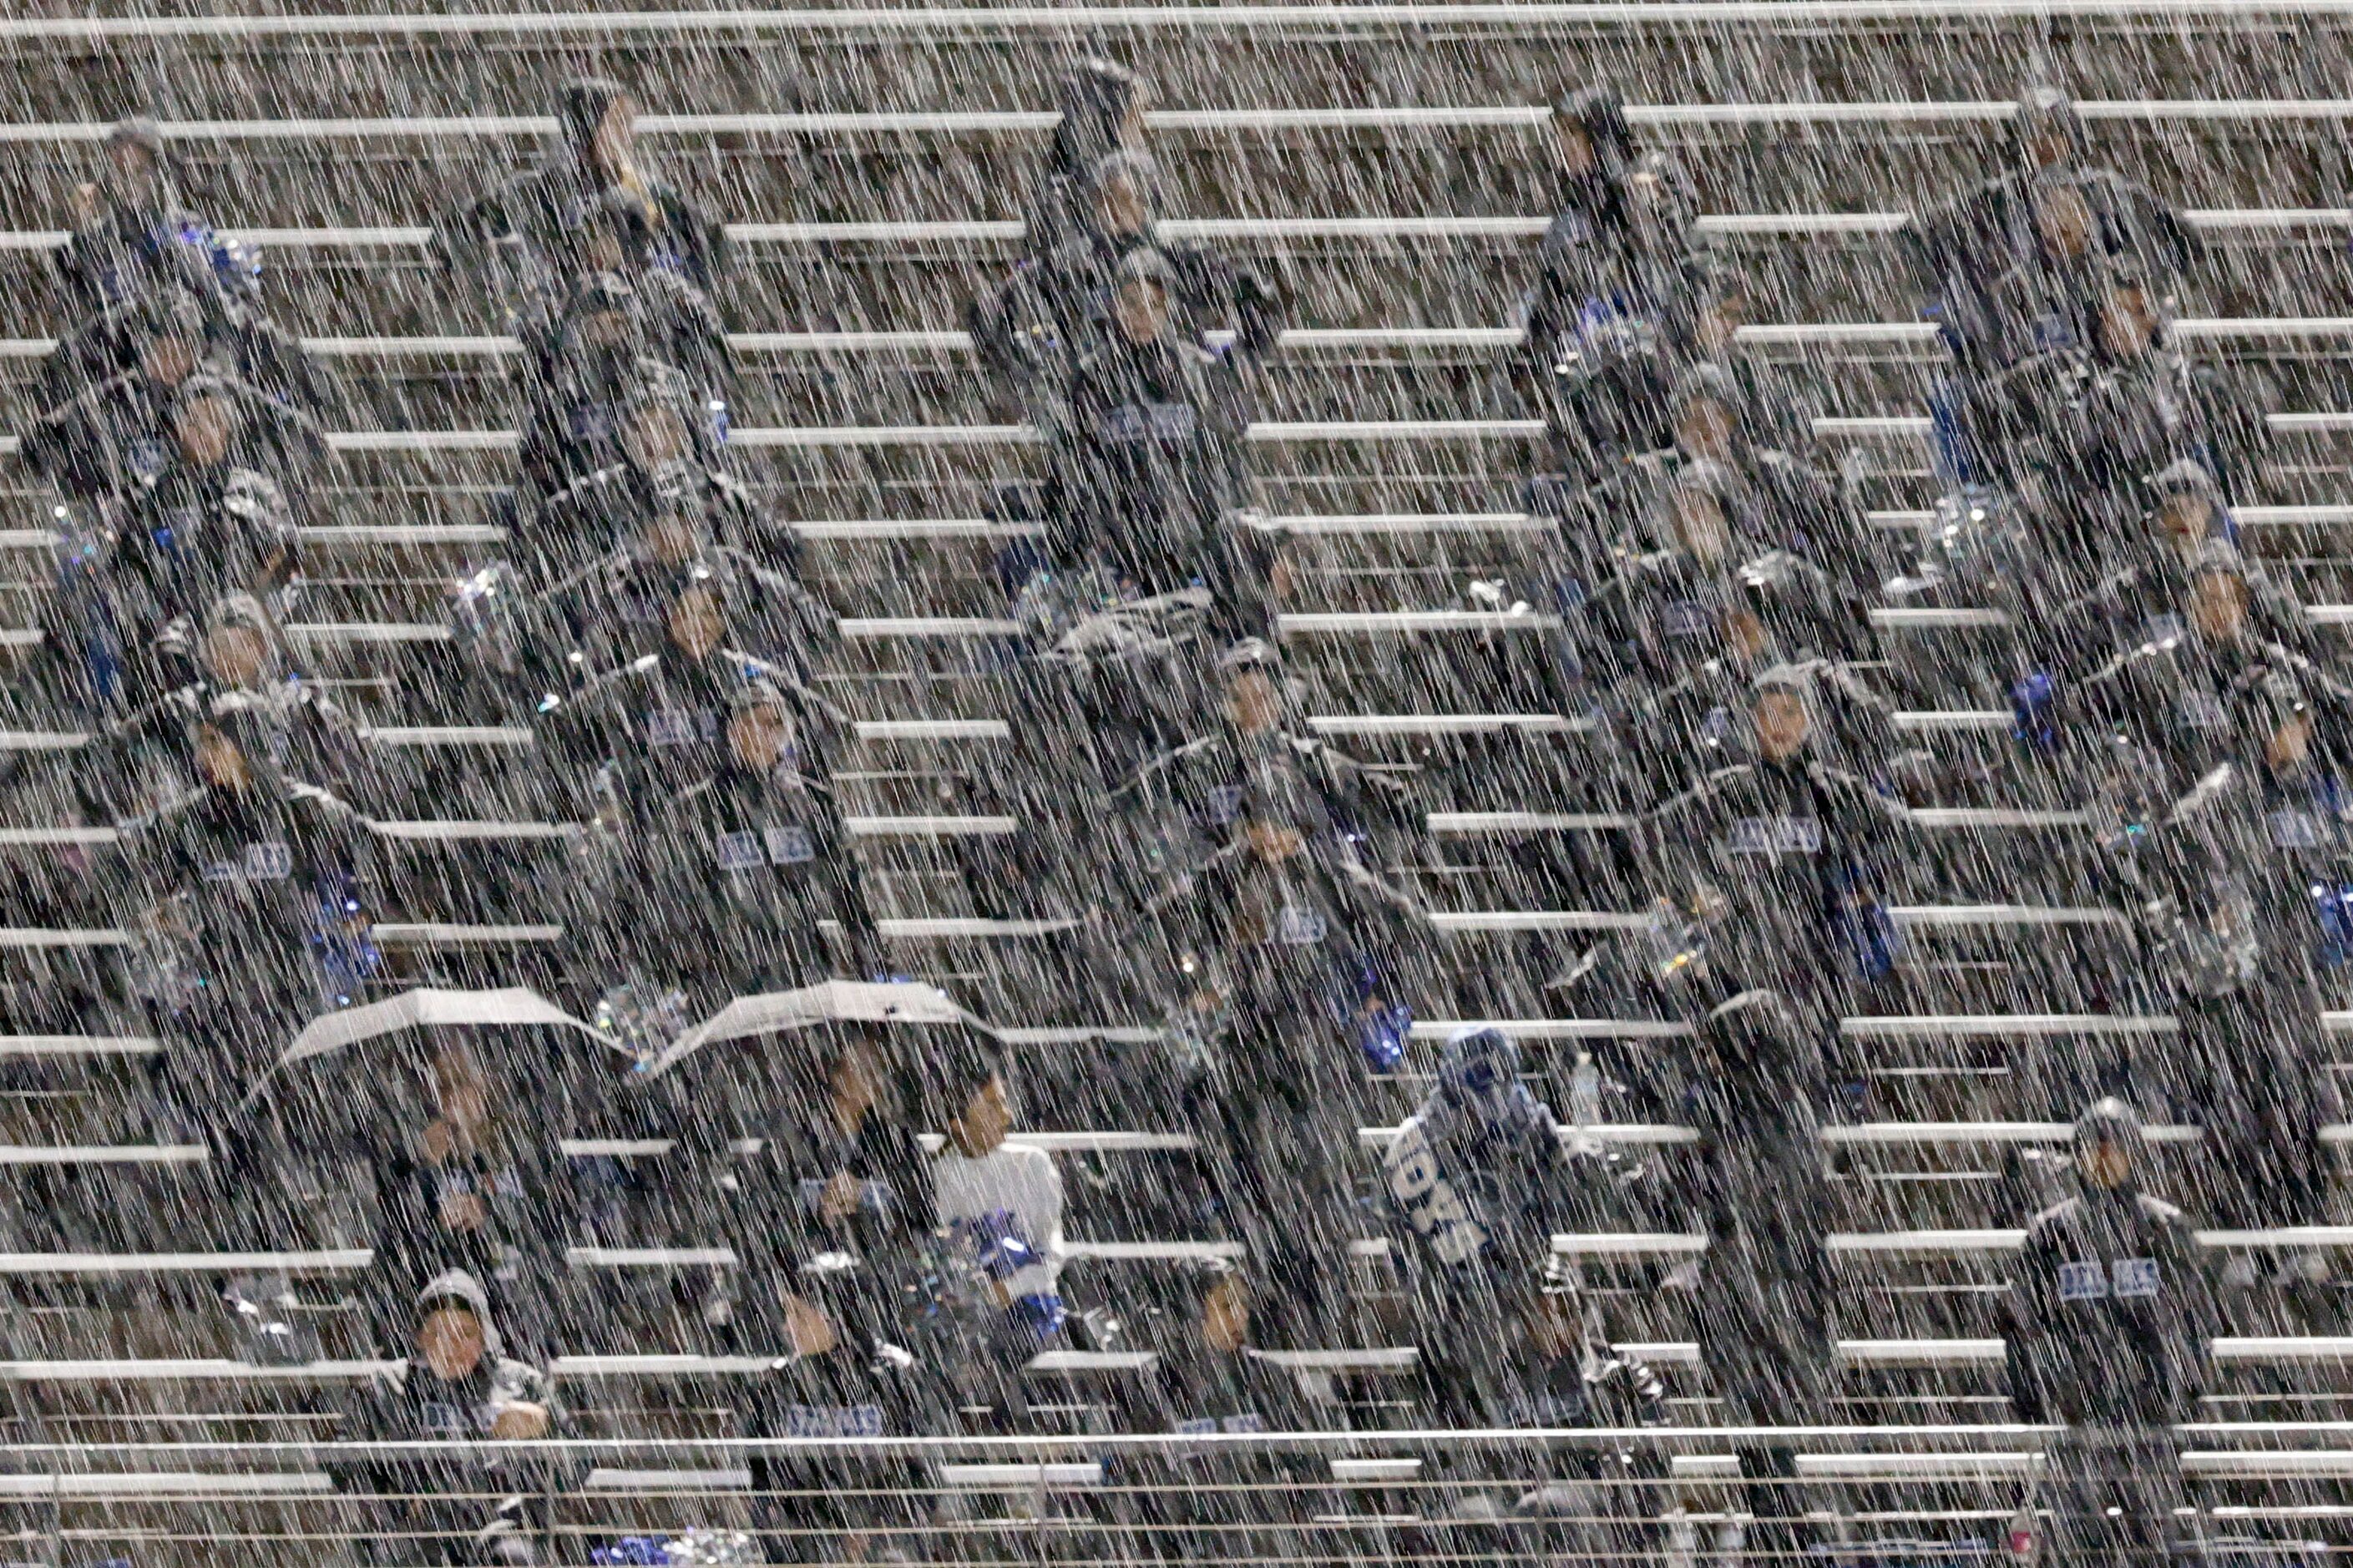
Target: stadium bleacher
{"x": 1383, "y": 161}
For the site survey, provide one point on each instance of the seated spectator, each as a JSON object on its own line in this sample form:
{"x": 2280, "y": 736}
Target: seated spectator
{"x": 1207, "y": 1381}
{"x": 1478, "y": 1180}
{"x": 2112, "y": 1315}
{"x": 843, "y": 1381}
{"x": 1772, "y": 874}
{"x": 1618, "y": 246}
{"x": 1153, "y": 471}
{"x": 1102, "y": 107}
{"x": 1551, "y": 1367}
{"x": 479, "y": 1185}
{"x": 1998, "y": 261}
{"x": 558, "y": 217}
{"x": 1207, "y": 1375}
{"x": 839, "y": 1174}
{"x": 2076, "y": 611}
{"x": 132, "y": 232}
{"x": 456, "y": 1388}
{"x": 1032, "y": 331}
{"x": 999, "y": 1213}
{"x": 725, "y": 857}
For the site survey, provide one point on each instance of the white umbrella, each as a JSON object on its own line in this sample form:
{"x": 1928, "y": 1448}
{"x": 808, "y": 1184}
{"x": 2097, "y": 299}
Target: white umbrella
{"x": 835, "y": 1001}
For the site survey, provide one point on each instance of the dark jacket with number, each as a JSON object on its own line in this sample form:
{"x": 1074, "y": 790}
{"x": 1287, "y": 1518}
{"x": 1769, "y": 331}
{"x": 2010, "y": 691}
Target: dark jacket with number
{"x": 720, "y": 876}
{"x": 1769, "y": 876}
{"x": 2112, "y": 1314}
{"x": 1154, "y": 463}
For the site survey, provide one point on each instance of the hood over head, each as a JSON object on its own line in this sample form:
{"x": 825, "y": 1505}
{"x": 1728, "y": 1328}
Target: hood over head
{"x": 2185, "y": 477}
{"x": 455, "y": 1287}
{"x": 1142, "y": 171}
{"x": 2114, "y": 1124}
{"x": 1096, "y": 98}
{"x": 1479, "y": 1096}
{"x": 2219, "y": 557}
{"x": 1707, "y": 382}
{"x": 582, "y": 107}
{"x": 1601, "y": 110}
{"x": 2044, "y": 109}
{"x": 158, "y": 191}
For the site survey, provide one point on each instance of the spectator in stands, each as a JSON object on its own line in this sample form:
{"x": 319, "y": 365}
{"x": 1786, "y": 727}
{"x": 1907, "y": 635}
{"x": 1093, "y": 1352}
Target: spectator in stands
{"x": 132, "y": 232}
{"x": 459, "y": 1386}
{"x": 1553, "y": 1367}
{"x": 219, "y": 517}
{"x": 2006, "y": 263}
{"x": 1772, "y": 415}
{"x": 999, "y": 1213}
{"x": 1714, "y": 430}
{"x": 842, "y": 1380}
{"x": 1153, "y": 471}
{"x": 1208, "y": 1381}
{"x": 1773, "y": 875}
{"x": 1479, "y": 1181}
{"x": 643, "y": 418}
{"x": 1649, "y": 629}
{"x": 1207, "y": 1376}
{"x": 839, "y": 1174}
{"x": 2077, "y": 611}
{"x": 1033, "y": 330}
{"x": 611, "y": 549}
{"x": 2171, "y": 701}
{"x": 474, "y": 1179}
{"x": 2112, "y": 1315}
{"x": 730, "y": 856}
{"x": 560, "y": 213}
{"x": 625, "y": 305}
{"x": 2075, "y": 432}
{"x": 101, "y": 431}
{"x": 247, "y": 892}
{"x": 1613, "y": 289}
{"x": 1103, "y": 107}
{"x": 2241, "y": 913}
{"x": 1765, "y": 1305}
{"x": 1283, "y": 960}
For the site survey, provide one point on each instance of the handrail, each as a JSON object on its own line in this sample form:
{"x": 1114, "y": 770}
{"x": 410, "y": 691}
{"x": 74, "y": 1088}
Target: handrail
{"x": 312, "y": 131}
{"x": 1520, "y": 16}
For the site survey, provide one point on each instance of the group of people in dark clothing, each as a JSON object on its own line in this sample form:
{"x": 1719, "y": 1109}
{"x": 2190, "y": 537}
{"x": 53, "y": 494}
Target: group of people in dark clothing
{"x": 1229, "y": 875}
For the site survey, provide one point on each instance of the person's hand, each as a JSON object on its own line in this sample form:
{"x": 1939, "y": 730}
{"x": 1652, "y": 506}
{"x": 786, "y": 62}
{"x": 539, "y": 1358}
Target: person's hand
{"x": 811, "y": 1331}
{"x": 520, "y": 1422}
{"x": 839, "y": 1200}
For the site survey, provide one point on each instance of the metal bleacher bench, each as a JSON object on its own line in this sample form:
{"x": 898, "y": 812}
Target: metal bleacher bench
{"x": 1926, "y": 1352}
{"x": 1877, "y": 427}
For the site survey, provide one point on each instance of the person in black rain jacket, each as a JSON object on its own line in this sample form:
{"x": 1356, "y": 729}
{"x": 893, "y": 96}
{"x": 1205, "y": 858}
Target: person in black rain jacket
{"x": 133, "y": 234}
{"x": 1031, "y": 332}
{"x": 2240, "y": 914}
{"x": 1102, "y": 107}
{"x": 558, "y": 217}
{"x": 1153, "y": 469}
{"x": 2112, "y": 1315}
{"x": 1283, "y": 961}
{"x": 457, "y": 1387}
{"x": 1614, "y": 280}
{"x": 711, "y": 771}
{"x": 1773, "y": 874}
